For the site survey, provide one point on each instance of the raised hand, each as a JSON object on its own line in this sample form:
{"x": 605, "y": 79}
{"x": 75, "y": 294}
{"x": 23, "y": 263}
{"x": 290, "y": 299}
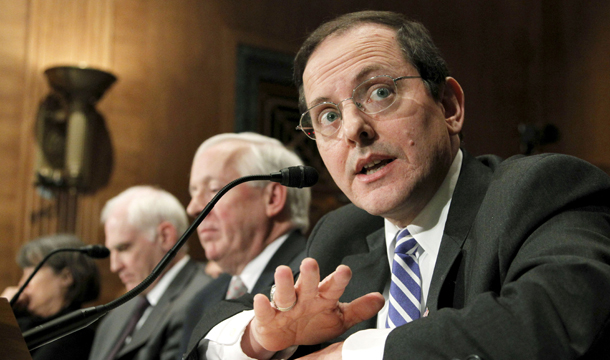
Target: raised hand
{"x": 316, "y": 317}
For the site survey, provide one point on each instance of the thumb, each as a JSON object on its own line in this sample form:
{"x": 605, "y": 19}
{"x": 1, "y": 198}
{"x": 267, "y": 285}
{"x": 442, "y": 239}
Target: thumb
{"x": 363, "y": 308}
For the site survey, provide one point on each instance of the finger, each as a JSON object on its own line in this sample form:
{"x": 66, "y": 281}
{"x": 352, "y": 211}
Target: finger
{"x": 285, "y": 294}
{"x": 263, "y": 311}
{"x": 363, "y": 308}
{"x": 333, "y": 286}
{"x": 309, "y": 279}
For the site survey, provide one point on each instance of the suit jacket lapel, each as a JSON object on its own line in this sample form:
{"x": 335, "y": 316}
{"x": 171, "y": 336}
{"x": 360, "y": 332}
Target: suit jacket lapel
{"x": 211, "y": 295}
{"x": 465, "y": 203}
{"x": 368, "y": 269}
{"x": 120, "y": 317}
{"x": 162, "y": 310}
{"x": 370, "y": 273}
{"x": 218, "y": 292}
{"x": 294, "y": 244}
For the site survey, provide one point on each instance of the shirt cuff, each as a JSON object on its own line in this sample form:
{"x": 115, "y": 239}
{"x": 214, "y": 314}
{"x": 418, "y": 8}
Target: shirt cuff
{"x": 365, "y": 345}
{"x": 224, "y": 340}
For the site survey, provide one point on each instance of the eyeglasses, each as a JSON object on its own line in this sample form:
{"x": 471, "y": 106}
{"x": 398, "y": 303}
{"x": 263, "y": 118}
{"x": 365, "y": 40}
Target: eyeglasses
{"x": 371, "y": 97}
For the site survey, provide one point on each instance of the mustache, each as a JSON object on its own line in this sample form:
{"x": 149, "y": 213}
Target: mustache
{"x": 376, "y": 148}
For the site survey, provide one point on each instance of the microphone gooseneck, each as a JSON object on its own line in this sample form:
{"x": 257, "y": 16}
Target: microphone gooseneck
{"x": 294, "y": 176}
{"x": 94, "y": 251}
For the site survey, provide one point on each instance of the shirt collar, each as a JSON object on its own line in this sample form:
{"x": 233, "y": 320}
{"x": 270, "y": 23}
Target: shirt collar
{"x": 427, "y": 228}
{"x": 155, "y": 294}
{"x": 250, "y": 274}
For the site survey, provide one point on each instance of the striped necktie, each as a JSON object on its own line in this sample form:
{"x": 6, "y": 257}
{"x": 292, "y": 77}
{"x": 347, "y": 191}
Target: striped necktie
{"x": 405, "y": 289}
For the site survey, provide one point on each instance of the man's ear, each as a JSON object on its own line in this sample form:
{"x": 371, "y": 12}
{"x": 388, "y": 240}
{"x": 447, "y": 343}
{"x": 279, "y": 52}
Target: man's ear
{"x": 166, "y": 234}
{"x": 275, "y": 198}
{"x": 453, "y": 105}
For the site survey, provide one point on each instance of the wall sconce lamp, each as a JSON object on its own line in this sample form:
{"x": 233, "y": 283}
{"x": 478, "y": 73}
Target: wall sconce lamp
{"x": 75, "y": 150}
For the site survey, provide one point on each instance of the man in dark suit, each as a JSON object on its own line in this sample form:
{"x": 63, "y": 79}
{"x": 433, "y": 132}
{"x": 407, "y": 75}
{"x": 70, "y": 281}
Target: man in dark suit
{"x": 255, "y": 227}
{"x": 141, "y": 225}
{"x": 500, "y": 259}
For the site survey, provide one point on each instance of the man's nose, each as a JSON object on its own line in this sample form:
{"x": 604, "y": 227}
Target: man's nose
{"x": 195, "y": 206}
{"x": 115, "y": 263}
{"x": 357, "y": 127}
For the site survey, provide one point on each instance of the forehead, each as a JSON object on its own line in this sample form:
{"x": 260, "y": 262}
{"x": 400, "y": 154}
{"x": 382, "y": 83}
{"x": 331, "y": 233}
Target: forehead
{"x": 218, "y": 161}
{"x": 349, "y": 58}
{"x": 118, "y": 230}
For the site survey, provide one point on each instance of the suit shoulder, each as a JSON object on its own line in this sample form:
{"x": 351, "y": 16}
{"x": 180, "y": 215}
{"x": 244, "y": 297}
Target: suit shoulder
{"x": 340, "y": 232}
{"x": 548, "y": 170}
{"x": 198, "y": 281}
{"x": 344, "y": 222}
{"x": 542, "y": 185}
{"x": 357, "y": 218}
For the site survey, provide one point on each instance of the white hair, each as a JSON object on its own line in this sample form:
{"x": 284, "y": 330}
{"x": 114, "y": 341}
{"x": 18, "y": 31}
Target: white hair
{"x": 265, "y": 155}
{"x": 147, "y": 207}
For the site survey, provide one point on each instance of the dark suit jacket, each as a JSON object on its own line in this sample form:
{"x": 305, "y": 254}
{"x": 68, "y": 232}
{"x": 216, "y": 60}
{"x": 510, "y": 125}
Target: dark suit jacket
{"x": 523, "y": 271}
{"x": 160, "y": 335}
{"x": 291, "y": 252}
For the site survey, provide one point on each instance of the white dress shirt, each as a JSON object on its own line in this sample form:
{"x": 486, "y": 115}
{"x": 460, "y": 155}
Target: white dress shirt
{"x": 224, "y": 340}
{"x": 427, "y": 228}
{"x": 250, "y": 274}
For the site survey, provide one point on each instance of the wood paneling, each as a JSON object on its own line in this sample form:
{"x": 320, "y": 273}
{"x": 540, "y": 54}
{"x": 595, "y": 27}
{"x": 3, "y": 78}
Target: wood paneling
{"x": 541, "y": 61}
{"x": 13, "y": 16}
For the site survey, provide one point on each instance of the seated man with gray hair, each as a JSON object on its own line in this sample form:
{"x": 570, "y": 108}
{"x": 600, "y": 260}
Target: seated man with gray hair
{"x": 254, "y": 228}
{"x": 141, "y": 225}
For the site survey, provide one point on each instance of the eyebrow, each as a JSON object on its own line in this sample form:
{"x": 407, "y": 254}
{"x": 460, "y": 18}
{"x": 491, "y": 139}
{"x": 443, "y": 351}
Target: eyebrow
{"x": 121, "y": 246}
{"x": 365, "y": 73}
{"x": 205, "y": 183}
{"x": 362, "y": 75}
{"x": 318, "y": 101}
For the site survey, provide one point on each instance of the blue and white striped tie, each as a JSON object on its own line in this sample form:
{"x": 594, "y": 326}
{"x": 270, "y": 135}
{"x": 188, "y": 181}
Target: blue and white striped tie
{"x": 405, "y": 289}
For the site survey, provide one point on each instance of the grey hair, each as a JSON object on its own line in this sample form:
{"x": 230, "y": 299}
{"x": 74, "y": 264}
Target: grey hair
{"x": 264, "y": 155}
{"x": 85, "y": 274}
{"x": 147, "y": 207}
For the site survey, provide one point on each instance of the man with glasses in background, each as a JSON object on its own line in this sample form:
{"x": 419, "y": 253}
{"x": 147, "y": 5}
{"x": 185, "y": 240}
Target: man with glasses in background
{"x": 442, "y": 255}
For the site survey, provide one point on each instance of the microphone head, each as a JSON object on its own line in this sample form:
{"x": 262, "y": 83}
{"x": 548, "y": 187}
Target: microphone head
{"x": 95, "y": 251}
{"x": 299, "y": 176}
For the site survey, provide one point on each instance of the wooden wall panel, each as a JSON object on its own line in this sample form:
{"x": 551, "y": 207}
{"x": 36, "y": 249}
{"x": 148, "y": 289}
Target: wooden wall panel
{"x": 581, "y": 82}
{"x": 60, "y": 32}
{"x": 13, "y": 16}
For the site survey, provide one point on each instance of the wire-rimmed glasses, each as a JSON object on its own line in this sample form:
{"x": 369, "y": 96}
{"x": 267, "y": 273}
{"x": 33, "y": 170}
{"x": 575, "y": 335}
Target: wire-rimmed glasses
{"x": 371, "y": 97}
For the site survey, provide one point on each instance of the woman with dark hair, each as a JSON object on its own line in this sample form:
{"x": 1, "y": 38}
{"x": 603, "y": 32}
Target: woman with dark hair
{"x": 62, "y": 285}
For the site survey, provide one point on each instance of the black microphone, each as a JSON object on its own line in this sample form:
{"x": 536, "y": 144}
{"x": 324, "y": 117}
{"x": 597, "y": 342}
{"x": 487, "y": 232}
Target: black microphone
{"x": 294, "y": 176}
{"x": 94, "y": 251}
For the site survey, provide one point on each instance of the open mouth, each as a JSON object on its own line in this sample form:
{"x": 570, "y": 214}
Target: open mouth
{"x": 374, "y": 166}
